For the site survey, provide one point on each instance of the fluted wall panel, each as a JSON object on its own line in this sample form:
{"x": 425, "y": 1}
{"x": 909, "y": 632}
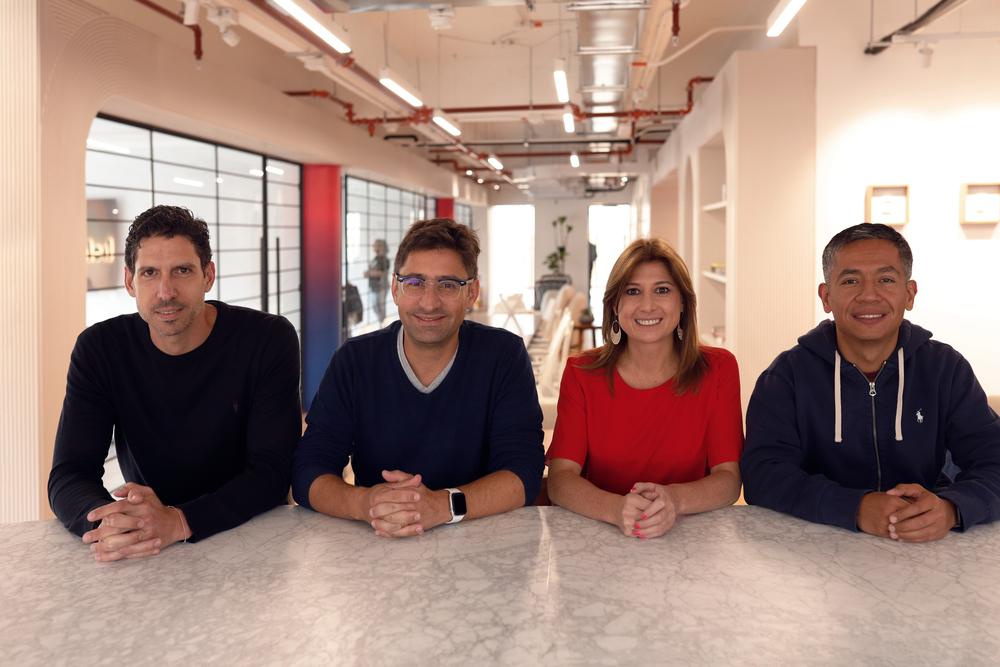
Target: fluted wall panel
{"x": 20, "y": 265}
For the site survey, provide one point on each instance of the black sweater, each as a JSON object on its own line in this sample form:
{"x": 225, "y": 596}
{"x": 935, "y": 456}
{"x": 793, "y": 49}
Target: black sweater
{"x": 211, "y": 431}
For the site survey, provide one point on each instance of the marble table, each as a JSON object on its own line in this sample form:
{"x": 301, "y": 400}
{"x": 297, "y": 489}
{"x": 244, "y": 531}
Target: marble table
{"x": 741, "y": 585}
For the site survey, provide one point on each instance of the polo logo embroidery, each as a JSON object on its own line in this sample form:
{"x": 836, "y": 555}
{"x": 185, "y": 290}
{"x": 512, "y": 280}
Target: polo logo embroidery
{"x": 920, "y": 417}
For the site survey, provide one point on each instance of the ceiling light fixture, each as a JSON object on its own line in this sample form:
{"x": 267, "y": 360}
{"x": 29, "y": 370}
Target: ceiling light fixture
{"x": 107, "y": 146}
{"x": 606, "y": 5}
{"x": 782, "y": 15}
{"x": 277, "y": 171}
{"x": 479, "y": 180}
{"x": 190, "y": 182}
{"x": 494, "y": 162}
{"x": 318, "y": 23}
{"x": 496, "y": 186}
{"x": 468, "y": 172}
{"x": 569, "y": 124}
{"x": 445, "y": 123}
{"x": 399, "y": 87}
{"x": 562, "y": 83}
{"x": 574, "y": 160}
{"x": 603, "y": 124}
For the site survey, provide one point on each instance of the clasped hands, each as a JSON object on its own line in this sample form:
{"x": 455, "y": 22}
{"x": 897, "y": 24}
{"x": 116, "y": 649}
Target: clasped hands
{"x": 648, "y": 510}
{"x": 138, "y": 525}
{"x": 908, "y": 513}
{"x": 403, "y": 506}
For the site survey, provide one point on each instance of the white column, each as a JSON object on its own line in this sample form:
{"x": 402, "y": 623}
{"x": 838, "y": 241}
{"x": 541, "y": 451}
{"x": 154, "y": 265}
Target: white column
{"x": 20, "y": 261}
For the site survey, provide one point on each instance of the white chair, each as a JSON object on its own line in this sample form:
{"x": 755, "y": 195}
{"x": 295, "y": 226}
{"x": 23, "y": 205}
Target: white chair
{"x": 551, "y": 370}
{"x": 512, "y": 306}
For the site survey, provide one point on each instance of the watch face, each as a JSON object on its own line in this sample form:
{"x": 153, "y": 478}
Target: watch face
{"x": 458, "y": 504}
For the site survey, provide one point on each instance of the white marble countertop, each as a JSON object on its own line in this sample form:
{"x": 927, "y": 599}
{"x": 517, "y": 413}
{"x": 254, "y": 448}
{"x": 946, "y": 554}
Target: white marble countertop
{"x": 741, "y": 585}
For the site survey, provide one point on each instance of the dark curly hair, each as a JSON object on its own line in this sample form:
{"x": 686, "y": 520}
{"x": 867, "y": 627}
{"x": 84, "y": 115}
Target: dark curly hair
{"x": 168, "y": 221}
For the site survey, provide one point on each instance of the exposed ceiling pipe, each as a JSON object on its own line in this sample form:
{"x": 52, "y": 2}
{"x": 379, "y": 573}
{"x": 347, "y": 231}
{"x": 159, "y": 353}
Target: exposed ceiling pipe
{"x": 934, "y": 13}
{"x": 196, "y": 29}
{"x": 653, "y": 43}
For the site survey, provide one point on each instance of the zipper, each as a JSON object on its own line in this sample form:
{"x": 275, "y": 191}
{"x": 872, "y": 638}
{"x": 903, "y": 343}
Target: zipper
{"x": 872, "y": 393}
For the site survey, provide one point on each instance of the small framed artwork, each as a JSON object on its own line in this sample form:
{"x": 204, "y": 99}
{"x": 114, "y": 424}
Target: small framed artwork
{"x": 887, "y": 204}
{"x": 980, "y": 204}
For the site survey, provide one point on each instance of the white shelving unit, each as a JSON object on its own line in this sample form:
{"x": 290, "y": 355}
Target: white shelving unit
{"x": 711, "y": 233}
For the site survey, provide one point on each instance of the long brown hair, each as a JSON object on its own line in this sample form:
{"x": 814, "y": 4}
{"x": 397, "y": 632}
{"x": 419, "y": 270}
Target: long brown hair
{"x": 692, "y": 366}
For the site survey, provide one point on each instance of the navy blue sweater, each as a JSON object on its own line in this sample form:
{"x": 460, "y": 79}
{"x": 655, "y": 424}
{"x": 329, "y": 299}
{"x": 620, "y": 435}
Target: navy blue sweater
{"x": 791, "y": 462}
{"x": 482, "y": 418}
{"x": 211, "y": 431}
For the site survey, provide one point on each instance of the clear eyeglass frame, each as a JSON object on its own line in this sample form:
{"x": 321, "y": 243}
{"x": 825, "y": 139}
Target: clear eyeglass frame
{"x": 447, "y": 289}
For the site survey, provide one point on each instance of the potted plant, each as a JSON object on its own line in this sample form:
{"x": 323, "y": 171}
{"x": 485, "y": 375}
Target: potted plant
{"x": 555, "y": 261}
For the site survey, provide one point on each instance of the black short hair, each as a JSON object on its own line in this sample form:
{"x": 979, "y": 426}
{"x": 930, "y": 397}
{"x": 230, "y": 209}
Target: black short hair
{"x": 440, "y": 234}
{"x": 864, "y": 232}
{"x": 168, "y": 221}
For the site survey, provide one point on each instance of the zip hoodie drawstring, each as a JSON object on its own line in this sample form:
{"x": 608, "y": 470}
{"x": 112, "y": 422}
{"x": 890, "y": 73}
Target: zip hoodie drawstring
{"x": 836, "y": 397}
{"x": 837, "y": 414}
{"x": 899, "y": 398}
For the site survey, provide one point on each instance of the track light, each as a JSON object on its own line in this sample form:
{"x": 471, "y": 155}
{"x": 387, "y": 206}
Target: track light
{"x": 494, "y": 162}
{"x": 445, "y": 123}
{"x": 569, "y": 124}
{"x": 468, "y": 172}
{"x": 318, "y": 23}
{"x": 574, "y": 160}
{"x": 782, "y": 15}
{"x": 225, "y": 18}
{"x": 399, "y": 87}
{"x": 479, "y": 180}
{"x": 562, "y": 83}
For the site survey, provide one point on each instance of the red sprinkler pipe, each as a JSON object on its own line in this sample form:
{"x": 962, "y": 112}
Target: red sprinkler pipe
{"x": 196, "y": 29}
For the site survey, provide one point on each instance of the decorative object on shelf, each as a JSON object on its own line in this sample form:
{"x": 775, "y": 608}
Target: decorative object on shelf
{"x": 555, "y": 261}
{"x": 887, "y": 204}
{"x": 586, "y": 317}
{"x": 980, "y": 204}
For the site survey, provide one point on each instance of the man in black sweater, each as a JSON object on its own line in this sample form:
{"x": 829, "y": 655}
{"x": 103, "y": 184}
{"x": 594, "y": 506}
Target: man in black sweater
{"x": 202, "y": 398}
{"x": 438, "y": 416}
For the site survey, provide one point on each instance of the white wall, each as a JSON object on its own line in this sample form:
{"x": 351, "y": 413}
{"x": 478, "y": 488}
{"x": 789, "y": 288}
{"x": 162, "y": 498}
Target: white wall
{"x": 886, "y": 120}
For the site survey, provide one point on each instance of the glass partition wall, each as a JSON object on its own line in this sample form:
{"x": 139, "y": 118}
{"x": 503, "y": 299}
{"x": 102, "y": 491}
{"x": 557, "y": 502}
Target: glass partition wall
{"x": 377, "y": 218}
{"x": 251, "y": 202}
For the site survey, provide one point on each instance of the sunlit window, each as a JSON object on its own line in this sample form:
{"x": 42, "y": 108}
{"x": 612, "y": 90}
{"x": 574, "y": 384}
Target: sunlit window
{"x": 511, "y": 253}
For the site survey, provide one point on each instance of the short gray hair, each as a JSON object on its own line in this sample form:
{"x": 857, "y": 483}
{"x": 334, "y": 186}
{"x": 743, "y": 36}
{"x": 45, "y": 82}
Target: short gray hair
{"x": 864, "y": 232}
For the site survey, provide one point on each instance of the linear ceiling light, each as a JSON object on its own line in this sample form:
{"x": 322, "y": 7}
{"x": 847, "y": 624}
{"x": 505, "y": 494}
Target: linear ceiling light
{"x": 568, "y": 123}
{"x": 446, "y": 123}
{"x": 782, "y": 15}
{"x": 399, "y": 87}
{"x": 316, "y": 22}
{"x": 494, "y": 162}
{"x": 574, "y": 160}
{"x": 606, "y": 5}
{"x": 562, "y": 83}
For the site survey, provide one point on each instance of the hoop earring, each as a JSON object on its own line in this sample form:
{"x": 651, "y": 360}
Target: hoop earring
{"x": 616, "y": 333}
{"x": 680, "y": 333}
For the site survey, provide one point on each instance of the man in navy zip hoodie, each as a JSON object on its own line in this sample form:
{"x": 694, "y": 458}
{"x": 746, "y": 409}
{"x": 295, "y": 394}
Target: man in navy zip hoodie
{"x": 851, "y": 427}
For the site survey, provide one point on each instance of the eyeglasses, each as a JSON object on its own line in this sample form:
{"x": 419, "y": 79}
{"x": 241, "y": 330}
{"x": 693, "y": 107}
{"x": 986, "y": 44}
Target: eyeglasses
{"x": 447, "y": 289}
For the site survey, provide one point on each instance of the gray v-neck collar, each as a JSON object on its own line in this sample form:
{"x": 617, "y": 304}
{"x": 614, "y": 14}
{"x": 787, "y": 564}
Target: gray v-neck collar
{"x": 414, "y": 380}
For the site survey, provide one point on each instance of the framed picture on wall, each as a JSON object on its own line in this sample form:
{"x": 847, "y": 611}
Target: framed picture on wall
{"x": 887, "y": 204}
{"x": 980, "y": 203}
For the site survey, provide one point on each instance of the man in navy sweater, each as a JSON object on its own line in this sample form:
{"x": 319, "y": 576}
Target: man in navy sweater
{"x": 438, "y": 416}
{"x": 202, "y": 397}
{"x": 852, "y": 426}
